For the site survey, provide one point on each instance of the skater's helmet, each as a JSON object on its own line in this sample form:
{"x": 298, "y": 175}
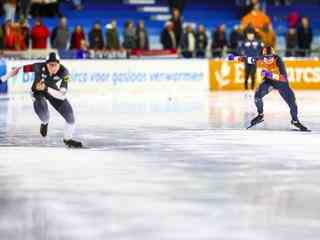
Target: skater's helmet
{"x": 53, "y": 57}
{"x": 268, "y": 51}
{"x": 250, "y": 33}
{"x": 268, "y": 55}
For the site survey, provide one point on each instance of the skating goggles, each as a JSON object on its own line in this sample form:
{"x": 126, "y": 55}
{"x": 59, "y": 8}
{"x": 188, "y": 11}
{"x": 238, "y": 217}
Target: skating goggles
{"x": 268, "y": 58}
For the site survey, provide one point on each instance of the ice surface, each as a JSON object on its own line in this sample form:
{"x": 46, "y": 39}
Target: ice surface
{"x": 161, "y": 167}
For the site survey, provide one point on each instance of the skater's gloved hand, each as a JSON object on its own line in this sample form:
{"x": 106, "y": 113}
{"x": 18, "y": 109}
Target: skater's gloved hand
{"x": 231, "y": 57}
{"x": 13, "y": 72}
{"x": 266, "y": 74}
{"x": 41, "y": 86}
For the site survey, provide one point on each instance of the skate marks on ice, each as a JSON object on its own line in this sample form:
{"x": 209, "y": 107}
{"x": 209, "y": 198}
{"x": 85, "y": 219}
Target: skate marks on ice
{"x": 157, "y": 139}
{"x": 197, "y": 188}
{"x": 144, "y": 138}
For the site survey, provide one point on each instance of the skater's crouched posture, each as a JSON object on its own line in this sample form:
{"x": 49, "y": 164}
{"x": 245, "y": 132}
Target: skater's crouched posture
{"x": 274, "y": 77}
{"x": 50, "y": 85}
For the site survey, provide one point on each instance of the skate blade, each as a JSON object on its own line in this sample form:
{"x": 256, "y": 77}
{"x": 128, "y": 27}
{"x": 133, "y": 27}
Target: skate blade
{"x": 294, "y": 129}
{"x": 83, "y": 147}
{"x": 252, "y": 125}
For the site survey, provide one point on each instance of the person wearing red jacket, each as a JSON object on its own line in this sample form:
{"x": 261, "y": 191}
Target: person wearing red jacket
{"x": 77, "y": 38}
{"x": 9, "y": 36}
{"x": 39, "y": 35}
{"x": 13, "y": 37}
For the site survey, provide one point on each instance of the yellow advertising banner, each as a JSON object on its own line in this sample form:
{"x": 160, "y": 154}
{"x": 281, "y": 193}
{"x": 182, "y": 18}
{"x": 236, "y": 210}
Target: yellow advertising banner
{"x": 225, "y": 75}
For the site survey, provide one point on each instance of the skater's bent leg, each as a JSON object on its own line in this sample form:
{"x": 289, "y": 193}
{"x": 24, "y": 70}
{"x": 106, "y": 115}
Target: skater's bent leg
{"x": 253, "y": 76}
{"x": 288, "y": 96}
{"x": 246, "y": 76}
{"x": 262, "y": 90}
{"x": 66, "y": 111}
{"x": 40, "y": 106}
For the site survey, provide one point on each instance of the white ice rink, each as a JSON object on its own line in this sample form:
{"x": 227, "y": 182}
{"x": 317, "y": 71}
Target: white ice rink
{"x": 176, "y": 167}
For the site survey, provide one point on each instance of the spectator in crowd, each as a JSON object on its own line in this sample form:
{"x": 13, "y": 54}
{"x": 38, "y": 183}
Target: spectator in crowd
{"x": 281, "y": 2}
{"x": 253, "y": 4}
{"x": 201, "y": 42}
{"x": 20, "y": 41}
{"x": 9, "y": 35}
{"x": 76, "y": 37}
{"x": 129, "y": 36}
{"x": 236, "y": 38}
{"x": 82, "y": 52}
{"x": 188, "y": 42}
{"x": 96, "y": 37}
{"x": 268, "y": 36}
{"x": 219, "y": 41}
{"x": 77, "y": 4}
{"x": 177, "y": 25}
{"x": 14, "y": 39}
{"x": 25, "y": 31}
{"x": 168, "y": 38}
{"x": 39, "y": 35}
{"x": 60, "y": 35}
{"x": 305, "y": 37}
{"x": 1, "y": 38}
{"x": 52, "y": 8}
{"x": 142, "y": 37}
{"x": 177, "y": 4}
{"x": 45, "y": 8}
{"x": 291, "y": 42}
{"x": 293, "y": 19}
{"x": 36, "y": 8}
{"x": 256, "y": 19}
{"x": 9, "y": 7}
{"x": 24, "y": 9}
{"x": 112, "y": 37}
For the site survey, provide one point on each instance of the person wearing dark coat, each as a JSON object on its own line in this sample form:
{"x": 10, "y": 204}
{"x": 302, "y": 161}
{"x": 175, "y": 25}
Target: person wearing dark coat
{"x": 291, "y": 42}
{"x": 305, "y": 38}
{"x": 60, "y": 35}
{"x": 112, "y": 36}
{"x": 201, "y": 42}
{"x": 219, "y": 42}
{"x": 188, "y": 43}
{"x": 95, "y": 37}
{"x": 177, "y": 25}
{"x": 129, "y": 36}
{"x": 142, "y": 37}
{"x": 236, "y": 38}
{"x": 168, "y": 38}
{"x": 177, "y": 4}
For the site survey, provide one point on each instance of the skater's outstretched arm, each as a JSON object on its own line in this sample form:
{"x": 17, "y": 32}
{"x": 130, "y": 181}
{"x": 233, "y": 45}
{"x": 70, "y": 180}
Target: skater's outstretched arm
{"x": 241, "y": 58}
{"x": 12, "y": 73}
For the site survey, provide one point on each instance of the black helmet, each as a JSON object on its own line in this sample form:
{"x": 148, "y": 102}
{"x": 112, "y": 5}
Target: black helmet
{"x": 53, "y": 57}
{"x": 249, "y": 30}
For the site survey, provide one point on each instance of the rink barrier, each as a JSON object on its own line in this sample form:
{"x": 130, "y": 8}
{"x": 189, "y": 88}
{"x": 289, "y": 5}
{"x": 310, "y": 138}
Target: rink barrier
{"x": 3, "y": 72}
{"x": 122, "y": 75}
{"x": 302, "y": 74}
